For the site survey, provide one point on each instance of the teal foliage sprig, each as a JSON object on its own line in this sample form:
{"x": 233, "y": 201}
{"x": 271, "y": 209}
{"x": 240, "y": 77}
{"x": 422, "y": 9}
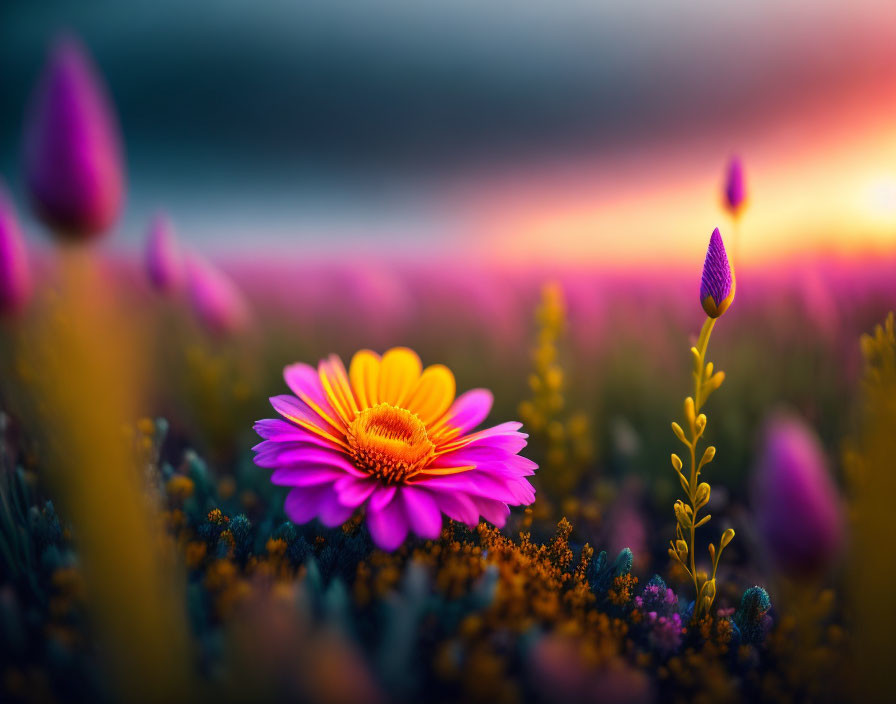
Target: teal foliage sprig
{"x": 751, "y": 617}
{"x": 601, "y": 574}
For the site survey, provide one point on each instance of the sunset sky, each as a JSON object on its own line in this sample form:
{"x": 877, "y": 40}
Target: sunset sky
{"x": 819, "y": 183}
{"x": 578, "y": 132}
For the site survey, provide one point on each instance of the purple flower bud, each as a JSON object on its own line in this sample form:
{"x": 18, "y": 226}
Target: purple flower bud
{"x": 216, "y": 300}
{"x": 796, "y": 501}
{"x": 73, "y": 166}
{"x": 15, "y": 276}
{"x": 164, "y": 262}
{"x": 735, "y": 189}
{"x": 718, "y": 284}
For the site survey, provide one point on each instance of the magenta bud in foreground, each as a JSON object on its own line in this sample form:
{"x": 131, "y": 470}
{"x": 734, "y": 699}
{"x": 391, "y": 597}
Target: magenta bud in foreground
{"x": 164, "y": 261}
{"x": 717, "y": 284}
{"x": 797, "y": 504}
{"x": 73, "y": 167}
{"x": 15, "y": 276}
{"x": 735, "y": 188}
{"x": 216, "y": 300}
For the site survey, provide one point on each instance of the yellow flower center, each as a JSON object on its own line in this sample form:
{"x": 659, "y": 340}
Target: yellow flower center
{"x": 390, "y": 443}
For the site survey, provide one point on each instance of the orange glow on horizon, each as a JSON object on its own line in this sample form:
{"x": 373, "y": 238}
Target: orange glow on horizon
{"x": 827, "y": 188}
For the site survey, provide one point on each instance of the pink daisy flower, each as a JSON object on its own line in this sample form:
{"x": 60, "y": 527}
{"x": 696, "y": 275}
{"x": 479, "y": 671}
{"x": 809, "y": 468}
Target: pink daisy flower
{"x": 389, "y": 436}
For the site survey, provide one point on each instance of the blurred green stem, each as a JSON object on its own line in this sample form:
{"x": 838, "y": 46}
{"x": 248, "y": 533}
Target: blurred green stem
{"x": 699, "y": 366}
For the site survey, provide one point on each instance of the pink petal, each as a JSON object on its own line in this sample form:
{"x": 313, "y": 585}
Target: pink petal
{"x": 353, "y": 491}
{"x": 381, "y": 497}
{"x": 333, "y": 513}
{"x": 280, "y": 431}
{"x": 301, "y": 455}
{"x": 422, "y": 512}
{"x": 522, "y": 465}
{"x": 458, "y": 507}
{"x": 510, "y": 443}
{"x": 293, "y": 476}
{"x": 477, "y": 484}
{"x": 388, "y": 526}
{"x": 508, "y": 468}
{"x": 276, "y": 454}
{"x": 470, "y": 409}
{"x": 272, "y": 445}
{"x": 493, "y": 511}
{"x": 505, "y": 435}
{"x": 304, "y": 381}
{"x": 304, "y": 504}
{"x": 473, "y": 456}
{"x": 294, "y": 409}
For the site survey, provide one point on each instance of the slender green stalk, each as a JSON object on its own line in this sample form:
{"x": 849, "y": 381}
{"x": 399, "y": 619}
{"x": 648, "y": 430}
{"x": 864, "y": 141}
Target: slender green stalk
{"x": 705, "y": 382}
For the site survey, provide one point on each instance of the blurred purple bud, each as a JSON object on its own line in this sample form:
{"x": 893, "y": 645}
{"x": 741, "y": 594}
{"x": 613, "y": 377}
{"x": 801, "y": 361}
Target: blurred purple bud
{"x": 718, "y": 284}
{"x": 73, "y": 166}
{"x": 164, "y": 261}
{"x": 797, "y": 504}
{"x": 15, "y": 276}
{"x": 216, "y": 300}
{"x": 735, "y": 189}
